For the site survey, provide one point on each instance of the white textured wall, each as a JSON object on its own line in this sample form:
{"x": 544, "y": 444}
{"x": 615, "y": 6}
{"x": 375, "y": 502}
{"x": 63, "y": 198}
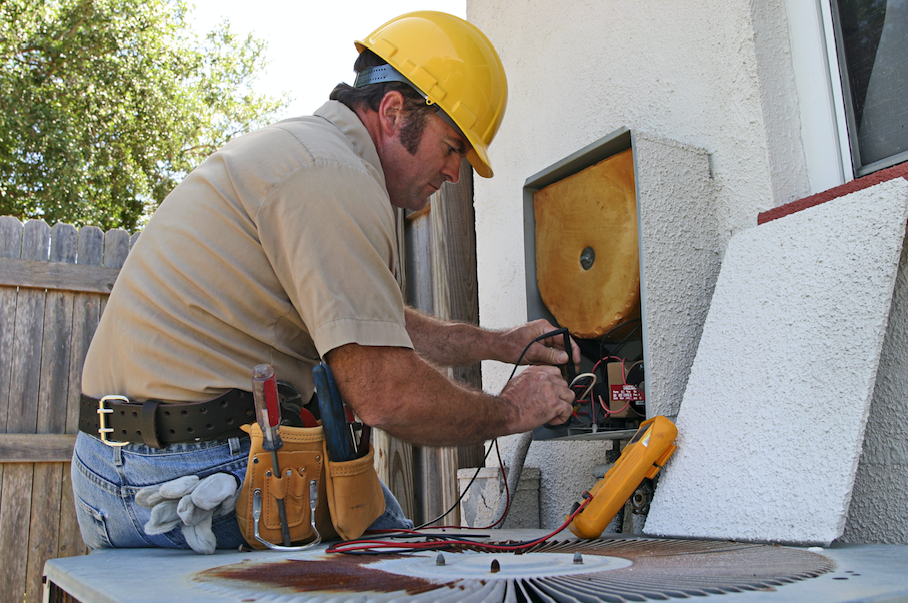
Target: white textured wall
{"x": 692, "y": 72}
{"x": 879, "y": 505}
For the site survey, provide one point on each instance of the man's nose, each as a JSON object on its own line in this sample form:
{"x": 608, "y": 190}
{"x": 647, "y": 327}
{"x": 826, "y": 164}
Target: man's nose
{"x": 451, "y": 170}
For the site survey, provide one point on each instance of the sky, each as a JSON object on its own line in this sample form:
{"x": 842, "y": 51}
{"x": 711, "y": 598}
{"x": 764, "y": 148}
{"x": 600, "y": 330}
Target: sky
{"x": 310, "y": 44}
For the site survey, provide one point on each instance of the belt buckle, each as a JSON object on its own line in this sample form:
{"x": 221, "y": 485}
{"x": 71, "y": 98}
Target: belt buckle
{"x": 103, "y": 429}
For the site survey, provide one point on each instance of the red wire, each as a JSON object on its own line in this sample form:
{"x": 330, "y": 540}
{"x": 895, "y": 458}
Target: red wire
{"x": 611, "y": 412}
{"x": 623, "y": 378}
{"x": 374, "y": 545}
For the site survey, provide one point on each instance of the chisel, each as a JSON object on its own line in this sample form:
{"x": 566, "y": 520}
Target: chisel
{"x": 268, "y": 415}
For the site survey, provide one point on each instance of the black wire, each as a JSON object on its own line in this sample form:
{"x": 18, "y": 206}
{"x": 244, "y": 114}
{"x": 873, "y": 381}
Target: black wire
{"x": 478, "y": 469}
{"x": 462, "y": 494}
{"x": 623, "y": 341}
{"x": 560, "y": 331}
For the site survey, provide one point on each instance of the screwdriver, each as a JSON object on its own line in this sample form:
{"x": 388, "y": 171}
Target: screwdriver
{"x": 268, "y": 415}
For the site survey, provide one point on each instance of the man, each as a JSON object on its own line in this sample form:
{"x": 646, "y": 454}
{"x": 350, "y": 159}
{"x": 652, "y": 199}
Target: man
{"x": 280, "y": 249}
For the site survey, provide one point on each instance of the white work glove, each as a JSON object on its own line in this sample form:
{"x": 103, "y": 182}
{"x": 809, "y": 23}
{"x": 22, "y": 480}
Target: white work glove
{"x": 190, "y": 503}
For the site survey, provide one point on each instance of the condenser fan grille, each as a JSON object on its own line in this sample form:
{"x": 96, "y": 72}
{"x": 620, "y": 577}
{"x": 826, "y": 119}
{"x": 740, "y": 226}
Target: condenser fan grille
{"x": 607, "y": 570}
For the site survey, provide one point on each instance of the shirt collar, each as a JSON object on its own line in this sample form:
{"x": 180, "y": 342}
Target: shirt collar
{"x": 349, "y": 124}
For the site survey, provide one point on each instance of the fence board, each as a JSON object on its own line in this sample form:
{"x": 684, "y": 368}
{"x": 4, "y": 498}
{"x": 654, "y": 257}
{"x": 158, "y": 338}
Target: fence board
{"x": 70, "y": 541}
{"x": 52, "y": 394}
{"x": 14, "y": 519}
{"x": 452, "y": 280}
{"x": 116, "y": 248}
{"x": 10, "y": 237}
{"x": 43, "y": 534}
{"x": 394, "y": 465}
{"x": 67, "y": 277}
{"x": 36, "y": 448}
{"x": 86, "y": 313}
{"x": 55, "y": 352}
{"x": 10, "y": 246}
{"x": 15, "y": 509}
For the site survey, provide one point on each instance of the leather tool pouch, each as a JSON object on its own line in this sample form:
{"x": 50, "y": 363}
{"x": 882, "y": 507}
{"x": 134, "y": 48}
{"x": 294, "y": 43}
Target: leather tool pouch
{"x": 355, "y": 496}
{"x": 350, "y": 496}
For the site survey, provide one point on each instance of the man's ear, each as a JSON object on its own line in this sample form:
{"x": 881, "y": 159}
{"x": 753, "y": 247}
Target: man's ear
{"x": 390, "y": 112}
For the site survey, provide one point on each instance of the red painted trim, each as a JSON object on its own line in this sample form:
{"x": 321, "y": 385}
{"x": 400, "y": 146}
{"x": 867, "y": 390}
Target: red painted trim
{"x": 896, "y": 171}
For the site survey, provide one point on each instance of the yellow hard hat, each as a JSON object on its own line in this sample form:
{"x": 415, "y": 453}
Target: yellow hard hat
{"x": 453, "y": 65}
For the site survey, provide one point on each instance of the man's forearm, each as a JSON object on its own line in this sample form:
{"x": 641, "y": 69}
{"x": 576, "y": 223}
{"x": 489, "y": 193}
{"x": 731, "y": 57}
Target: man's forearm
{"x": 449, "y": 343}
{"x": 395, "y": 390}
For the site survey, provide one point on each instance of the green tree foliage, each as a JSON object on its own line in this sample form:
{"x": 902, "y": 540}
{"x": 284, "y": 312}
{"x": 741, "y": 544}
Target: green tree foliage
{"x": 106, "y": 104}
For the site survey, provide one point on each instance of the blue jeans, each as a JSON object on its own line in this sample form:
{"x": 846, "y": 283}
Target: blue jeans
{"x": 105, "y": 481}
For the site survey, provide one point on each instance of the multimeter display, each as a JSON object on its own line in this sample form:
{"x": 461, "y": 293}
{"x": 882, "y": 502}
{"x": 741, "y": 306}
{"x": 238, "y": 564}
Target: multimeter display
{"x": 638, "y": 436}
{"x": 643, "y": 457}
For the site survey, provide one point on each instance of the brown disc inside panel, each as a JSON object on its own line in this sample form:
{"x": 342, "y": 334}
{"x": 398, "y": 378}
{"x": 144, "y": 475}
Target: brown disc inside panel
{"x": 587, "y": 259}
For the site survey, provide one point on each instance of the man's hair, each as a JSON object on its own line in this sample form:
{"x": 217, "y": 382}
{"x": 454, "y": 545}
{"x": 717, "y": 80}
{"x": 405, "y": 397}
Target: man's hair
{"x": 416, "y": 111}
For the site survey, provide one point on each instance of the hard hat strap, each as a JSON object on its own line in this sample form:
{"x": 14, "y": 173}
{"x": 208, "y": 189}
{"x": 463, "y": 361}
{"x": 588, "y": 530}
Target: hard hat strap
{"x": 386, "y": 73}
{"x": 381, "y": 74}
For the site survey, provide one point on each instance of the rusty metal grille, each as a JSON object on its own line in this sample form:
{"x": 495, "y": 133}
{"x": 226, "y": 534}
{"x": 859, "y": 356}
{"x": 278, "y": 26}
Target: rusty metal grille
{"x": 660, "y": 569}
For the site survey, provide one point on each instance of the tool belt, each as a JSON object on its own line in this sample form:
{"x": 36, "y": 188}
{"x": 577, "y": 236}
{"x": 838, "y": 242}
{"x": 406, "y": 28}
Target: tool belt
{"x": 117, "y": 421}
{"x": 350, "y": 496}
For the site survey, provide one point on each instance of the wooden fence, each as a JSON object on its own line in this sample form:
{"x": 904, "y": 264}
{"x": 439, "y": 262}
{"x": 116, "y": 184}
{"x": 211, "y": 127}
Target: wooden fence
{"x": 54, "y": 283}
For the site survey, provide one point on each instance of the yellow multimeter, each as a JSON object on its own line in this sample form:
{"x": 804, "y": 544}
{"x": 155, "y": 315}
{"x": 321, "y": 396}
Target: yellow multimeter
{"x": 643, "y": 457}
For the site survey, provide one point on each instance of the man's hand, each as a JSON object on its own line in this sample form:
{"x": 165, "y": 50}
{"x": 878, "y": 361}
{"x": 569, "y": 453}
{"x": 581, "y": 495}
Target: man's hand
{"x": 542, "y": 396}
{"x": 546, "y": 351}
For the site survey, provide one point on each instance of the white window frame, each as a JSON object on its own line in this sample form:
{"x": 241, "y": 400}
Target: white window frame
{"x": 824, "y": 129}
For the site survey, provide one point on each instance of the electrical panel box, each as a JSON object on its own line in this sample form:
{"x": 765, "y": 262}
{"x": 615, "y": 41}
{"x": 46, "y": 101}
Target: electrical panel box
{"x": 583, "y": 272}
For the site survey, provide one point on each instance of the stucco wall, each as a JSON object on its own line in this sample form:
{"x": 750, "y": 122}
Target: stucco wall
{"x": 879, "y": 506}
{"x": 692, "y": 72}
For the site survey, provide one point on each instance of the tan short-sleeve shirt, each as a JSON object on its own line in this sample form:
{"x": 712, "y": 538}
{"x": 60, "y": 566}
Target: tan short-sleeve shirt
{"x": 279, "y": 248}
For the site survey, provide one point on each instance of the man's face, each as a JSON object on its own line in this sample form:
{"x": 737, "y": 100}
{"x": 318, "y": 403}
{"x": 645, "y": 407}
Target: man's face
{"x": 413, "y": 174}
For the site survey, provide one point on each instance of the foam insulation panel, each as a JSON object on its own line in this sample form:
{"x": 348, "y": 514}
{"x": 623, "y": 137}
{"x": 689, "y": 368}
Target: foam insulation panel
{"x": 772, "y": 421}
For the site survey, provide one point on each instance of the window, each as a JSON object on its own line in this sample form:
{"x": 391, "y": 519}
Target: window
{"x": 871, "y": 40}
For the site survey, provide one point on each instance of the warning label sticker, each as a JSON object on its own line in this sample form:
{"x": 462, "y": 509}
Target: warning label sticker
{"x": 626, "y": 393}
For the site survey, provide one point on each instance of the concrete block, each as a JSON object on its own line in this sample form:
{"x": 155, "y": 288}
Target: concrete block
{"x": 480, "y": 504}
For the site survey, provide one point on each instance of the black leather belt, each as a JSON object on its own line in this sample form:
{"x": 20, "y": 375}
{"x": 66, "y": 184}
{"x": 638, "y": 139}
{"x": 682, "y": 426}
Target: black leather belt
{"x": 118, "y": 421}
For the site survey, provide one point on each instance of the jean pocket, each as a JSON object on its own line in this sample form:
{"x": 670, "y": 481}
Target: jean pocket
{"x": 93, "y": 525}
